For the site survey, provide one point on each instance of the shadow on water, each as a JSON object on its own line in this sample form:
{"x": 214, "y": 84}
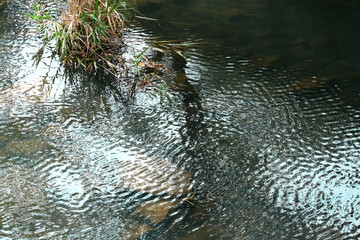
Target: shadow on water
{"x": 311, "y": 37}
{"x": 194, "y": 126}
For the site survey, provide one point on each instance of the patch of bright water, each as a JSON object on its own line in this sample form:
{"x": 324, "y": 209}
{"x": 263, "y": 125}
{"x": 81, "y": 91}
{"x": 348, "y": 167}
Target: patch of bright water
{"x": 262, "y": 121}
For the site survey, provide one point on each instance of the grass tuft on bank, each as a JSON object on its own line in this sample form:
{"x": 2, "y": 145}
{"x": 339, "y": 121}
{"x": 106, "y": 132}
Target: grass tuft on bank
{"x": 88, "y": 32}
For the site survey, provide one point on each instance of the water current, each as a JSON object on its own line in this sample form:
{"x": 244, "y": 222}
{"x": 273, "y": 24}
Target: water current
{"x": 260, "y": 127}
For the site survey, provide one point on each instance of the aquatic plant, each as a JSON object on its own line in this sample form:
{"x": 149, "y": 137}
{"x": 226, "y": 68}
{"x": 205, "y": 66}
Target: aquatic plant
{"x": 136, "y": 61}
{"x": 88, "y": 32}
{"x": 173, "y": 47}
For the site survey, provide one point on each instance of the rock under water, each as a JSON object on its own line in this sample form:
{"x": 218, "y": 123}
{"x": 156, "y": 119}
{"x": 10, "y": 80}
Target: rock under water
{"x": 156, "y": 211}
{"x": 132, "y": 231}
{"x": 155, "y": 176}
{"x": 158, "y": 177}
{"x": 28, "y": 146}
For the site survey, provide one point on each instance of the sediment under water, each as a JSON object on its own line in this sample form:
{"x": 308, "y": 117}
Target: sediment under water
{"x": 261, "y": 122}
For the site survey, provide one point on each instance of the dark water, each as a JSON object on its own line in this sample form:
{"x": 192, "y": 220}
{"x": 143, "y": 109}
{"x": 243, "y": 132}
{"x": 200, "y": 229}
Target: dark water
{"x": 264, "y": 115}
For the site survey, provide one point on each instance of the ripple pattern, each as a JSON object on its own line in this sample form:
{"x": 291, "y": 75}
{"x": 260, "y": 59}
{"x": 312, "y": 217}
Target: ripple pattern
{"x": 234, "y": 145}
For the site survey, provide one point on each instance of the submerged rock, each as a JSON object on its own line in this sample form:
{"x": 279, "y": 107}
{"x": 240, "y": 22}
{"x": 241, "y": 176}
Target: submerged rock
{"x": 21, "y": 187}
{"x": 298, "y": 41}
{"x": 349, "y": 85}
{"x": 155, "y": 176}
{"x": 55, "y": 131}
{"x": 204, "y": 233}
{"x": 28, "y": 146}
{"x": 2, "y": 139}
{"x": 23, "y": 201}
{"x": 301, "y": 52}
{"x": 320, "y": 39}
{"x": 231, "y": 12}
{"x": 270, "y": 61}
{"x": 156, "y": 211}
{"x": 132, "y": 231}
{"x": 309, "y": 83}
{"x": 29, "y": 90}
{"x": 260, "y": 33}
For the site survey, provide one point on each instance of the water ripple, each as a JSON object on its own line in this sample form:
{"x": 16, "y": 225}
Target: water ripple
{"x": 262, "y": 151}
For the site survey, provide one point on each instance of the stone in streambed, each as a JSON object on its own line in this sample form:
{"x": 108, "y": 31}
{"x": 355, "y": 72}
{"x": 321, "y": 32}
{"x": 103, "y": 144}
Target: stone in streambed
{"x": 301, "y": 52}
{"x": 20, "y": 188}
{"x": 28, "y": 146}
{"x": 309, "y": 83}
{"x": 204, "y": 233}
{"x": 271, "y": 61}
{"x": 132, "y": 231}
{"x": 155, "y": 176}
{"x": 319, "y": 40}
{"x": 156, "y": 211}
{"x": 2, "y": 139}
{"x": 231, "y": 12}
{"x": 33, "y": 90}
{"x": 260, "y": 33}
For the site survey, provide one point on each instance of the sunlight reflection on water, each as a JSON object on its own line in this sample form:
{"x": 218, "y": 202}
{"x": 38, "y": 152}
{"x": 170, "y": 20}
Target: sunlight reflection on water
{"x": 261, "y": 122}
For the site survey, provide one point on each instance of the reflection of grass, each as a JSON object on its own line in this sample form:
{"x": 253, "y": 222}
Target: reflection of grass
{"x": 87, "y": 31}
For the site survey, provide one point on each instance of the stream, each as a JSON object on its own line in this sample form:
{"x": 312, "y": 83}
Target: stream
{"x": 256, "y": 135}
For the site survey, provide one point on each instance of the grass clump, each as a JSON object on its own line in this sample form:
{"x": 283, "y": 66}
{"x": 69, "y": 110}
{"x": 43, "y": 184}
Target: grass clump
{"x": 88, "y": 31}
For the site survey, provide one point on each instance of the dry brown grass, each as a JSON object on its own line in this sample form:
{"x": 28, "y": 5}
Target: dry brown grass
{"x": 88, "y": 32}
{"x": 96, "y": 25}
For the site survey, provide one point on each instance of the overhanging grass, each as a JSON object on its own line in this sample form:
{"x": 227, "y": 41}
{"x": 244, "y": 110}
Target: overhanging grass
{"x": 88, "y": 31}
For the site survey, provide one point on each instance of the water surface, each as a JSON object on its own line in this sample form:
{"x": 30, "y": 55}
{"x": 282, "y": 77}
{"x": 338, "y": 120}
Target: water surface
{"x": 263, "y": 115}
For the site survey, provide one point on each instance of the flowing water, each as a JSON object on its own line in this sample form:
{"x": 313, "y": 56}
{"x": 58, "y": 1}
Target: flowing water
{"x": 261, "y": 123}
